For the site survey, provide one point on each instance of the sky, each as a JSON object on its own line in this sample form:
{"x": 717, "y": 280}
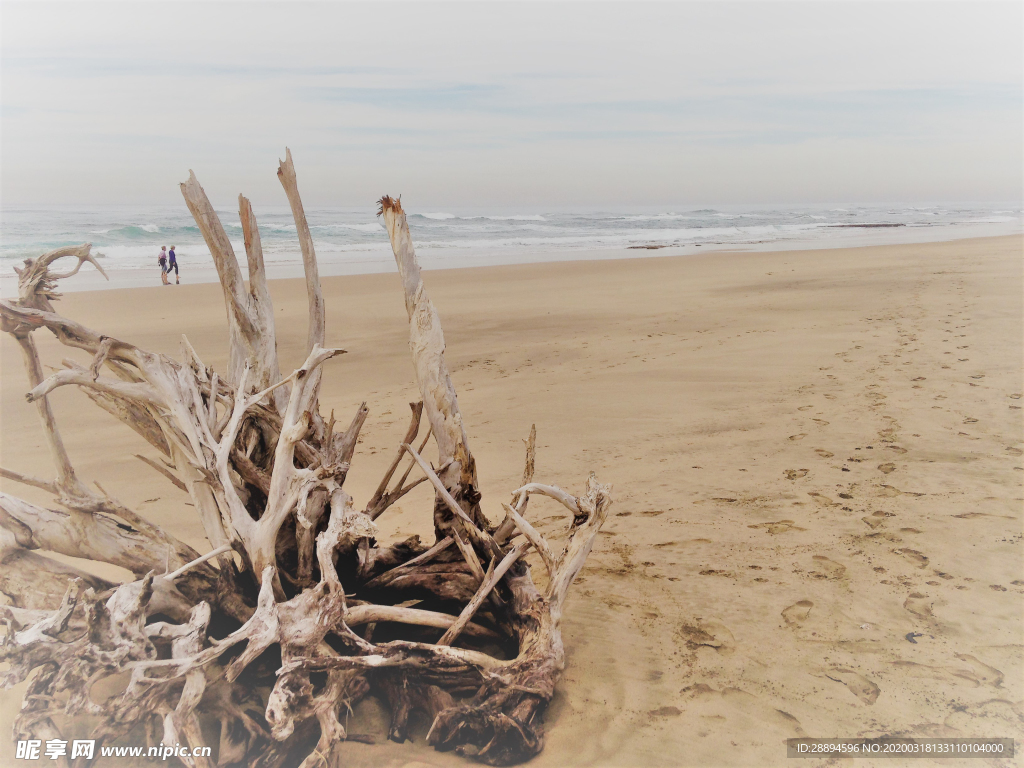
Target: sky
{"x": 513, "y": 105}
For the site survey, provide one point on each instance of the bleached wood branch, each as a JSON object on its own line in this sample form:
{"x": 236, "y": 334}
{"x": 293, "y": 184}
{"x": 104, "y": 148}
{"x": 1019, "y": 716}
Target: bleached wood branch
{"x": 448, "y": 499}
{"x": 261, "y": 306}
{"x": 240, "y": 326}
{"x": 314, "y": 295}
{"x": 96, "y": 537}
{"x": 35, "y": 482}
{"x": 198, "y": 561}
{"x": 426, "y": 341}
{"x": 344, "y": 445}
{"x": 163, "y": 471}
{"x": 489, "y": 582}
{"x": 287, "y": 482}
{"x": 534, "y": 537}
{"x": 470, "y": 556}
{"x": 83, "y": 378}
{"x": 381, "y": 498}
{"x": 37, "y": 283}
{"x": 364, "y": 614}
{"x": 30, "y": 580}
{"x": 406, "y": 567}
{"x": 553, "y": 491}
{"x": 252, "y": 337}
{"x": 520, "y": 500}
{"x": 593, "y": 508}
{"x": 66, "y": 478}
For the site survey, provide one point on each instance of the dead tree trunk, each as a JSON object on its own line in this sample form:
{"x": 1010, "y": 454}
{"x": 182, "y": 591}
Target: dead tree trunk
{"x": 298, "y": 610}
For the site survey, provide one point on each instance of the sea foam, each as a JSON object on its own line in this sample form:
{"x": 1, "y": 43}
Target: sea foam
{"x": 129, "y": 238}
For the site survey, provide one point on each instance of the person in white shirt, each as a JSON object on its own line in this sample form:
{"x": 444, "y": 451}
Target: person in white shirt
{"x": 161, "y": 259}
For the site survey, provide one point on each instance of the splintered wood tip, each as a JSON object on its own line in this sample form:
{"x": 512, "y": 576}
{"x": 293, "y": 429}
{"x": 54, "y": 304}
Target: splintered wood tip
{"x": 387, "y": 203}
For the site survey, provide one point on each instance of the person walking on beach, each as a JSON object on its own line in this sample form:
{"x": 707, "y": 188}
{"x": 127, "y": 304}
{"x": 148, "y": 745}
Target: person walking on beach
{"x": 161, "y": 259}
{"x": 172, "y": 264}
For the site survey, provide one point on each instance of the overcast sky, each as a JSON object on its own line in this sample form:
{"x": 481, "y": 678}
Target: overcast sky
{"x": 514, "y": 105}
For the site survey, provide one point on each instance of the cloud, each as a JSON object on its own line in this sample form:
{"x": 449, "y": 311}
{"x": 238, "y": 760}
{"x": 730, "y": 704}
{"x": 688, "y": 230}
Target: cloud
{"x": 607, "y": 103}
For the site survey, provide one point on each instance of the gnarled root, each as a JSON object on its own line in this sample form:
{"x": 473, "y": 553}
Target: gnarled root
{"x": 297, "y": 611}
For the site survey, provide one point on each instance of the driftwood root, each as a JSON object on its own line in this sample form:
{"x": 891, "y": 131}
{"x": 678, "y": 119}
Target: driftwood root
{"x": 297, "y": 611}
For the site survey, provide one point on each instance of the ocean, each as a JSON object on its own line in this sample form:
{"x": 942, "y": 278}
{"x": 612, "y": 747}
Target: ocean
{"x": 126, "y": 239}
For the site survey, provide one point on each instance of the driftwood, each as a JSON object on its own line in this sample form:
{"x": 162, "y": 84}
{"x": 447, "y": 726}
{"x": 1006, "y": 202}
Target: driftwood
{"x": 297, "y": 611}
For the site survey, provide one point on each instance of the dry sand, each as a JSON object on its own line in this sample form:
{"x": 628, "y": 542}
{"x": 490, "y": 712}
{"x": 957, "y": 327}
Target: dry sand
{"x": 817, "y": 467}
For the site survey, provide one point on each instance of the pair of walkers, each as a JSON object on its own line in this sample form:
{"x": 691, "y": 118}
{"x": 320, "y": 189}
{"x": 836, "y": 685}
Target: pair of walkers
{"x": 168, "y": 262}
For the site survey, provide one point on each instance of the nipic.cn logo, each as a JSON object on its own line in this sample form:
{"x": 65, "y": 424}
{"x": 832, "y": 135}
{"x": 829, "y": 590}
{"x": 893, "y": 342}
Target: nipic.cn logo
{"x": 35, "y": 749}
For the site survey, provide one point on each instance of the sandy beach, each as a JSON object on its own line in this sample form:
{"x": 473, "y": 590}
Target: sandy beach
{"x": 817, "y": 467}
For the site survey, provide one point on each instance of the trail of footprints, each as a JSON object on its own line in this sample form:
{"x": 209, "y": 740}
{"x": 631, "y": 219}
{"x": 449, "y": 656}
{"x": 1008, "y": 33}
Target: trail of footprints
{"x": 907, "y": 323}
{"x": 882, "y": 456}
{"x": 916, "y": 603}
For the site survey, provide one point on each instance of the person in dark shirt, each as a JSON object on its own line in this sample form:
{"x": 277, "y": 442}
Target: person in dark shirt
{"x": 172, "y": 265}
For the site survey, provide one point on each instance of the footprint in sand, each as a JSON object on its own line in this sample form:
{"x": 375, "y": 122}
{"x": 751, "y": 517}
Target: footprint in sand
{"x": 795, "y": 474}
{"x": 827, "y": 569}
{"x": 722, "y": 640}
{"x": 666, "y": 712}
{"x": 889, "y": 491}
{"x": 918, "y": 604}
{"x": 887, "y": 467}
{"x": 918, "y": 559}
{"x": 877, "y": 519}
{"x": 969, "y": 420}
{"x": 858, "y": 685}
{"x": 986, "y": 674}
{"x": 885, "y": 536}
{"x": 797, "y": 613}
{"x": 978, "y": 673}
{"x": 973, "y": 515}
{"x": 779, "y": 526}
{"x": 707, "y": 633}
{"x": 805, "y": 407}
{"x": 801, "y": 436}
{"x": 823, "y": 453}
{"x": 728, "y": 703}
{"x": 820, "y": 422}
{"x": 822, "y": 500}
